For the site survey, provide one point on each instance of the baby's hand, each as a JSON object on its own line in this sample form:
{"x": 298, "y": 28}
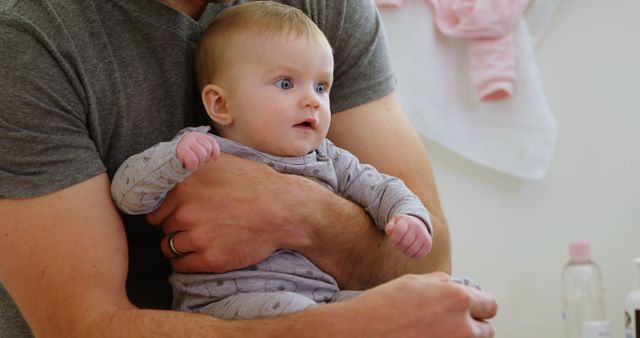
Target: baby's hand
{"x": 196, "y": 149}
{"x": 410, "y": 235}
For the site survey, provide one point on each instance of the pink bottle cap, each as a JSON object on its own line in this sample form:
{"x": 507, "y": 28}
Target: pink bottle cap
{"x": 580, "y": 251}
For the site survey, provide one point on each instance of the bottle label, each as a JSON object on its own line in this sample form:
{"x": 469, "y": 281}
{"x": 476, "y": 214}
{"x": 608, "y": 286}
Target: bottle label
{"x": 636, "y": 317}
{"x": 632, "y": 324}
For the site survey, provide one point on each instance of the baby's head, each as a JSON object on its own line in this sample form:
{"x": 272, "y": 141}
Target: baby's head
{"x": 265, "y": 71}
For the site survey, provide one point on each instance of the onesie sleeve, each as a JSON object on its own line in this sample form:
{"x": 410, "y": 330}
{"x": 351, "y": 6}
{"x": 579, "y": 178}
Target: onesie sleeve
{"x": 382, "y": 196}
{"x": 142, "y": 182}
{"x": 45, "y": 144}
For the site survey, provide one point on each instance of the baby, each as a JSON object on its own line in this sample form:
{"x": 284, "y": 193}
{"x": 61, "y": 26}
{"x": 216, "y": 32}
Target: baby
{"x": 266, "y": 71}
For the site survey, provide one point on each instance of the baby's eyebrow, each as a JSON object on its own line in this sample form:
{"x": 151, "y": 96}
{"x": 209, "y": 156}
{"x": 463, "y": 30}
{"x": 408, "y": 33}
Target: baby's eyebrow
{"x": 284, "y": 68}
{"x": 328, "y": 76}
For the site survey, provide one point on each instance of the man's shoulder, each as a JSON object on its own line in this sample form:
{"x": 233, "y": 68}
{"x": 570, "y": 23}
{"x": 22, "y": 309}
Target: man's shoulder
{"x": 6, "y": 7}
{"x": 329, "y": 14}
{"x": 319, "y": 6}
{"x": 36, "y": 10}
{"x": 45, "y": 18}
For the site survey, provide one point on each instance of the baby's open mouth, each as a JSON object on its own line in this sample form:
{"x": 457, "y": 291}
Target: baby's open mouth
{"x": 307, "y": 123}
{"x": 304, "y": 124}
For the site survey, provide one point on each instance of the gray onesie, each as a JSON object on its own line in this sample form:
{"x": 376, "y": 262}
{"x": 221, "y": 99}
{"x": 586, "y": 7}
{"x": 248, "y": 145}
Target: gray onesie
{"x": 286, "y": 281}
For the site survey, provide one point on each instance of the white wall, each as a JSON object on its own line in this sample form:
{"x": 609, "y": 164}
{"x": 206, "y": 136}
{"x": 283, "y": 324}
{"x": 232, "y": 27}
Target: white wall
{"x": 511, "y": 235}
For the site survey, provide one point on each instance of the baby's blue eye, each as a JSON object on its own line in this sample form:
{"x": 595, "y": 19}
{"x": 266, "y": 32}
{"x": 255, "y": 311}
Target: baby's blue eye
{"x": 284, "y": 84}
{"x": 321, "y": 88}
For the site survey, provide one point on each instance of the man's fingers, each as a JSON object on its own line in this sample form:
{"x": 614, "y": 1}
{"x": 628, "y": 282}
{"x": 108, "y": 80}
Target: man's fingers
{"x": 190, "y": 263}
{"x": 483, "y": 305}
{"x": 164, "y": 211}
{"x": 172, "y": 218}
{"x": 180, "y": 244}
{"x": 193, "y": 259}
{"x": 438, "y": 276}
{"x": 482, "y": 329}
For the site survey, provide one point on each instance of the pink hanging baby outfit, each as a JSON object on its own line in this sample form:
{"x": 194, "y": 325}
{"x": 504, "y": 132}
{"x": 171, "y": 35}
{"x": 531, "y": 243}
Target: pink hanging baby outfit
{"x": 489, "y": 25}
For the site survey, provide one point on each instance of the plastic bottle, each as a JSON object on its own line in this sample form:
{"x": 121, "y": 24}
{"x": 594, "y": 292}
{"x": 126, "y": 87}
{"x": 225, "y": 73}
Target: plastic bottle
{"x": 632, "y": 310}
{"x": 582, "y": 290}
{"x": 596, "y": 329}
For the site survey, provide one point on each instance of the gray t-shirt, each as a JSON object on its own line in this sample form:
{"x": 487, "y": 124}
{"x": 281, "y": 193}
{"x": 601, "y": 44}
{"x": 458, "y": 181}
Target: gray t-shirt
{"x": 80, "y": 80}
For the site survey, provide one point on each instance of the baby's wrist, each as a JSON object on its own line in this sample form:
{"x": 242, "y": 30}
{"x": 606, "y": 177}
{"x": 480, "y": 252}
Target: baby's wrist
{"x": 425, "y": 222}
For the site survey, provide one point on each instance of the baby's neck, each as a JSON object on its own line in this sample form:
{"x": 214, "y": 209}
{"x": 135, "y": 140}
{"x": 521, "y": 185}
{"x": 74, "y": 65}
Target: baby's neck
{"x": 229, "y": 135}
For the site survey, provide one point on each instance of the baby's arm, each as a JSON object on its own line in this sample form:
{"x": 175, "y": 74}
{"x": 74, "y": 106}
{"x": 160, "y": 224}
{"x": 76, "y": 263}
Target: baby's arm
{"x": 143, "y": 180}
{"x": 392, "y": 206}
{"x": 410, "y": 235}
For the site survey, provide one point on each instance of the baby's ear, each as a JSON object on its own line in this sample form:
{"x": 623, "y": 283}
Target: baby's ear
{"x": 215, "y": 102}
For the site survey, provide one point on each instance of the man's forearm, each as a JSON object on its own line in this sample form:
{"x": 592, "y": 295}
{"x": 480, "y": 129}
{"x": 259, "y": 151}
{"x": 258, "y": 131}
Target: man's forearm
{"x": 346, "y": 244}
{"x": 138, "y": 323}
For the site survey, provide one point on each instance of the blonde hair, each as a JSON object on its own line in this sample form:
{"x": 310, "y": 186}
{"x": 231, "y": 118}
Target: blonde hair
{"x": 263, "y": 17}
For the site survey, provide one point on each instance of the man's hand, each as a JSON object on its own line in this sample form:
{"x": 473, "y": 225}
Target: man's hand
{"x": 234, "y": 213}
{"x": 410, "y": 235}
{"x": 195, "y": 149}
{"x": 425, "y": 306}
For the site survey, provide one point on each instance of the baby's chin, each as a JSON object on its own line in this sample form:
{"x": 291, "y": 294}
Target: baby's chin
{"x": 293, "y": 150}
{"x": 288, "y": 146}
{"x": 292, "y": 153}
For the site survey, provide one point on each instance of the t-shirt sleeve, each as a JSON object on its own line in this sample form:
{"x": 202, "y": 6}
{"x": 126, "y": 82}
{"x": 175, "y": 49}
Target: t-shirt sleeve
{"x": 362, "y": 70}
{"x": 44, "y": 139}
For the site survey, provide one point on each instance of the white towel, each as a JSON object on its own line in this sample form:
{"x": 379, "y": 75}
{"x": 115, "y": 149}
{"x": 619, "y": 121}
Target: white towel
{"x": 538, "y": 16}
{"x": 514, "y": 136}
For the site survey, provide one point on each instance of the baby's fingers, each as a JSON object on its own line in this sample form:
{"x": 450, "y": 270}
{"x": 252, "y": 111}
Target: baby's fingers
{"x": 200, "y": 152}
{"x": 215, "y": 149}
{"x": 210, "y": 145}
{"x": 396, "y": 229}
{"x": 414, "y": 248}
{"x": 408, "y": 239}
{"x": 189, "y": 159}
{"x": 425, "y": 247}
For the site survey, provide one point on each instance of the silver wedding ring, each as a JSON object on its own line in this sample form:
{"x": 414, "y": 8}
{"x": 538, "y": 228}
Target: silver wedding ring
{"x": 172, "y": 247}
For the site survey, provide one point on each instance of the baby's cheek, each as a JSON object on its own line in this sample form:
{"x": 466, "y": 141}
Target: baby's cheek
{"x": 323, "y": 129}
